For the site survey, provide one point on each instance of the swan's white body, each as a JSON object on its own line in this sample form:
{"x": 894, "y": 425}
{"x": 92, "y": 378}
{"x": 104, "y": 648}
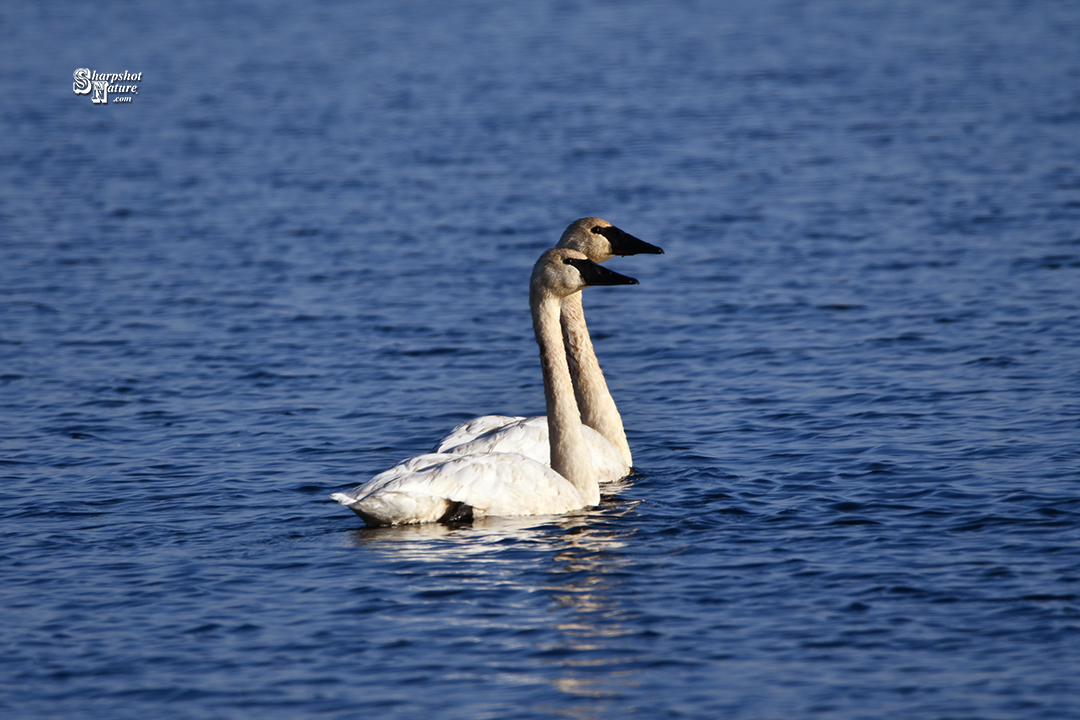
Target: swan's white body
{"x": 428, "y": 488}
{"x": 599, "y": 241}
{"x": 437, "y": 486}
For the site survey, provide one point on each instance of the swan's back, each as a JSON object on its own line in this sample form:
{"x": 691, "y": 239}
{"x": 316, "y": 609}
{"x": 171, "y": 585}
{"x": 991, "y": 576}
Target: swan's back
{"x": 528, "y": 436}
{"x": 472, "y": 429}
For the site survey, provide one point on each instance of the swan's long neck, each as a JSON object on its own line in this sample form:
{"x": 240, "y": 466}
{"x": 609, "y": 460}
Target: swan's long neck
{"x": 598, "y": 409}
{"x": 569, "y": 454}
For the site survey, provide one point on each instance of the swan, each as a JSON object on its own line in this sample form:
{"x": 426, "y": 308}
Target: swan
{"x": 447, "y": 487}
{"x": 599, "y": 241}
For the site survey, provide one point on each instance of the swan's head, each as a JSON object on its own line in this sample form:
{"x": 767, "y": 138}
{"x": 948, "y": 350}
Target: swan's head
{"x": 599, "y": 240}
{"x": 561, "y": 271}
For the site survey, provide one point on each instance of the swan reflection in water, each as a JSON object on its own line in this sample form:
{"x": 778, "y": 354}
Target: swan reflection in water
{"x": 546, "y": 589}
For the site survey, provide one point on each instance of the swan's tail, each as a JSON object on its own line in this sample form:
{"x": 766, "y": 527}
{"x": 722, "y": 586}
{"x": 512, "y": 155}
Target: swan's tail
{"x": 395, "y": 508}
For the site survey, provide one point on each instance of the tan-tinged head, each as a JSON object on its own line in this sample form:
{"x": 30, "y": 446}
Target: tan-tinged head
{"x": 563, "y": 271}
{"x": 599, "y": 240}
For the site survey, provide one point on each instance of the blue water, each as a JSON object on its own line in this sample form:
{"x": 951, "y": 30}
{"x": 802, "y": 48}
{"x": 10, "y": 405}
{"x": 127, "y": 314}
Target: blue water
{"x": 299, "y": 255}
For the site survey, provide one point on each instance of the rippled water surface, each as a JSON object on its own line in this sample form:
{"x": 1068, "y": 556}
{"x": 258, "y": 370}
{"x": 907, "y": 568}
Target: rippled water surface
{"x": 300, "y": 254}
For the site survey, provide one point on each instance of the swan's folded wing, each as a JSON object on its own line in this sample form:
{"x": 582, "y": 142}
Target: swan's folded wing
{"x": 524, "y": 436}
{"x": 472, "y": 429}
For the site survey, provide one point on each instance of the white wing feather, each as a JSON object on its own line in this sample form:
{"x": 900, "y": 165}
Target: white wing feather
{"x": 528, "y": 436}
{"x": 472, "y": 429}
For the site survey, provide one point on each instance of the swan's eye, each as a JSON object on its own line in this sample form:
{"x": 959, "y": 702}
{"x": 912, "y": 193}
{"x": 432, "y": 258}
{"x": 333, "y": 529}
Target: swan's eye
{"x": 597, "y": 230}
{"x": 576, "y": 263}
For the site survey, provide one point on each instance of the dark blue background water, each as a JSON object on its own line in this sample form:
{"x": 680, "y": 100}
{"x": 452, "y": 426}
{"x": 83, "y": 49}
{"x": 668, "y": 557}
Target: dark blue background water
{"x": 299, "y": 255}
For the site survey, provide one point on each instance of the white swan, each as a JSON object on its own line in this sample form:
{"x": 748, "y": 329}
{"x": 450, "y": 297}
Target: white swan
{"x": 598, "y": 240}
{"x": 444, "y": 487}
